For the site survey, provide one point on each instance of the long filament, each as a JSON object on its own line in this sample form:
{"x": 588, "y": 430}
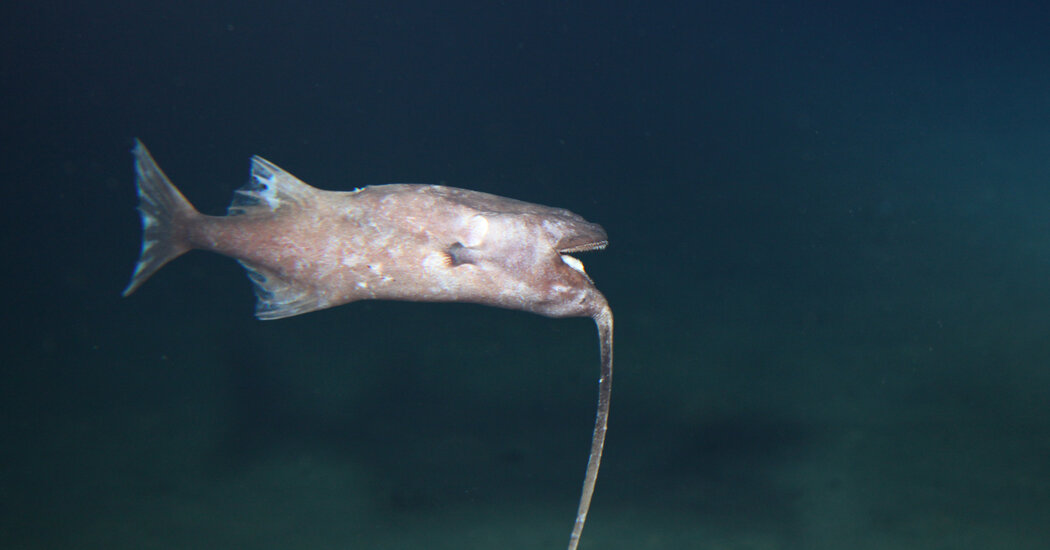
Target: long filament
{"x": 604, "y": 321}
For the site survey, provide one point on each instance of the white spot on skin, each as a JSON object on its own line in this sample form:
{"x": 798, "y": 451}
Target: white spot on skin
{"x": 435, "y": 261}
{"x": 476, "y": 229}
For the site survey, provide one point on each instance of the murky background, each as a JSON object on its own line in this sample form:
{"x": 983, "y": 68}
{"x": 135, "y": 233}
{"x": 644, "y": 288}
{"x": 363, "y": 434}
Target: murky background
{"x": 829, "y": 265}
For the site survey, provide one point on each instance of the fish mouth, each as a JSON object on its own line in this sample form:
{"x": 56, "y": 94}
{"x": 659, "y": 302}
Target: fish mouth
{"x": 573, "y": 262}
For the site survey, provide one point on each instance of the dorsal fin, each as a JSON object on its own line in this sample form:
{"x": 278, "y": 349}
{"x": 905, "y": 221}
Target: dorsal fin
{"x": 269, "y": 188}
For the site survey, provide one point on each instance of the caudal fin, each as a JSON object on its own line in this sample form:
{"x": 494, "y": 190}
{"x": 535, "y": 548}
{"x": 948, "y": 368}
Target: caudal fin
{"x": 165, "y": 213}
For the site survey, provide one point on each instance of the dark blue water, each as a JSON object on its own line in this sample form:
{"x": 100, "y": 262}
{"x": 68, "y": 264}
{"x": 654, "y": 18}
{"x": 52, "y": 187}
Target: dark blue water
{"x": 829, "y": 262}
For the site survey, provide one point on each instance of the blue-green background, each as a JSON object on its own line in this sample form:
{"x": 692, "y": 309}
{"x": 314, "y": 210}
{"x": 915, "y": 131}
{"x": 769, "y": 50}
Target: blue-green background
{"x": 829, "y": 262}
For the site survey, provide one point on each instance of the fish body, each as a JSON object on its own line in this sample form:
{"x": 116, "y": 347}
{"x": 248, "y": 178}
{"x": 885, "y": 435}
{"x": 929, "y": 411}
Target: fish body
{"x": 308, "y": 249}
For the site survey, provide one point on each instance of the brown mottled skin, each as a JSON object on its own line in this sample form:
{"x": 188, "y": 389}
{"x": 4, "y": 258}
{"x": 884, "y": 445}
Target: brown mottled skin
{"x": 416, "y": 242}
{"x": 308, "y": 249}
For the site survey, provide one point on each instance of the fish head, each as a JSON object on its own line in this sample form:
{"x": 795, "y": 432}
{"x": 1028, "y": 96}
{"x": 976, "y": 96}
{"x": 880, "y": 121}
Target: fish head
{"x": 531, "y": 255}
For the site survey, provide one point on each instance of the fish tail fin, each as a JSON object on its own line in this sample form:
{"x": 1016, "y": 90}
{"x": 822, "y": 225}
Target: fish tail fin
{"x": 165, "y": 214}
